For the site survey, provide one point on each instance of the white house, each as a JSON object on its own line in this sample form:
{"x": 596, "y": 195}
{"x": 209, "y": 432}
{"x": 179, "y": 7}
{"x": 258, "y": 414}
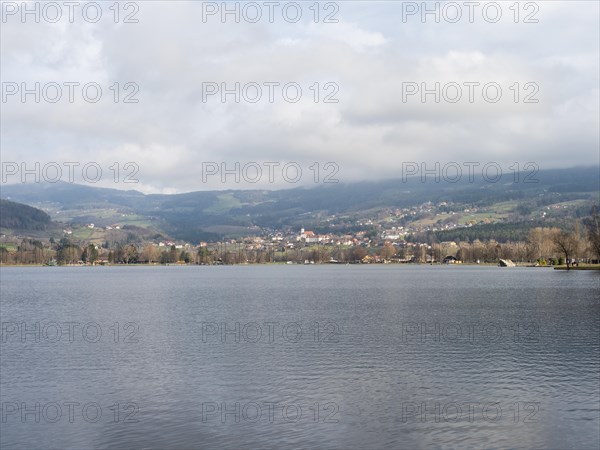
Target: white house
{"x": 309, "y": 237}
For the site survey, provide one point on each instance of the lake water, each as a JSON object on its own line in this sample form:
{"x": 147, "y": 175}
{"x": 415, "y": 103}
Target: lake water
{"x": 300, "y": 356}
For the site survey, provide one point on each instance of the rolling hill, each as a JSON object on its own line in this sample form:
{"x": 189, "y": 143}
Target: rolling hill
{"x": 17, "y": 216}
{"x": 206, "y": 215}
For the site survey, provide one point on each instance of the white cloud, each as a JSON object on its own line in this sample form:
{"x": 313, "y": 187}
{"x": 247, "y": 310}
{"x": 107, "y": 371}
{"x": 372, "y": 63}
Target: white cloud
{"x": 369, "y": 54}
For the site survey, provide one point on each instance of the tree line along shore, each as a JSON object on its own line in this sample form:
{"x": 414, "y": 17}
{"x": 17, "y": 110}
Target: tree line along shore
{"x": 578, "y": 248}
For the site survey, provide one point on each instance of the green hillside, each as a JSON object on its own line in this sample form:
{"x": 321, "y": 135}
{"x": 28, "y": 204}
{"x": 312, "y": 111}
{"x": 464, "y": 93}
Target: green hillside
{"x": 17, "y": 216}
{"x": 554, "y": 196}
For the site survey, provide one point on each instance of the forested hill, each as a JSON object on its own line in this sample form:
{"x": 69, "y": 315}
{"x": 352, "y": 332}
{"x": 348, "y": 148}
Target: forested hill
{"x": 22, "y": 217}
{"x": 552, "y": 196}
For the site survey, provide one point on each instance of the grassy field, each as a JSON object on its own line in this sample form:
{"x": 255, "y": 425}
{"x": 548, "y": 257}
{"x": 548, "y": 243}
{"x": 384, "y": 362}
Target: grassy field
{"x": 10, "y": 246}
{"x": 226, "y": 202}
{"x": 580, "y": 267}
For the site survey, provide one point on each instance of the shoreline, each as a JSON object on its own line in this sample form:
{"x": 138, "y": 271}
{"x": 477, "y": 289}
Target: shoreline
{"x": 519, "y": 265}
{"x": 590, "y": 267}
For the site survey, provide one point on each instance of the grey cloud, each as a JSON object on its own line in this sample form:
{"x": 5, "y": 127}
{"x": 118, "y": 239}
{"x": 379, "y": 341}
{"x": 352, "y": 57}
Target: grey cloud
{"x": 369, "y": 54}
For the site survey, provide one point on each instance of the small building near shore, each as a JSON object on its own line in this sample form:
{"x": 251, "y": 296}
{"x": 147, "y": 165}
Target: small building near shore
{"x": 451, "y": 260}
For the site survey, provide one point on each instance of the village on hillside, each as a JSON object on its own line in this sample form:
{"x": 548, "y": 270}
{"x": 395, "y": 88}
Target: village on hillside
{"x": 543, "y": 246}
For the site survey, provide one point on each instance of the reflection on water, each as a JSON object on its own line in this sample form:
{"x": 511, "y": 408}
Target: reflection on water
{"x": 311, "y": 356}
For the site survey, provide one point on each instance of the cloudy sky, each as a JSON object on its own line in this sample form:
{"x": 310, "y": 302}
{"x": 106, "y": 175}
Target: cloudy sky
{"x": 366, "y": 57}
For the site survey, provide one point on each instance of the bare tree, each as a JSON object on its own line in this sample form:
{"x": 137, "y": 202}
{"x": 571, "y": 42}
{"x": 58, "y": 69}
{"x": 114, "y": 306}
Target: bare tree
{"x": 358, "y": 253}
{"x": 388, "y": 251}
{"x": 567, "y": 243}
{"x": 150, "y": 254}
{"x": 130, "y": 254}
{"x": 593, "y": 231}
{"x": 540, "y": 242}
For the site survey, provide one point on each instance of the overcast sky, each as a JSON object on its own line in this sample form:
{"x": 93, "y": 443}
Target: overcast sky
{"x": 369, "y": 57}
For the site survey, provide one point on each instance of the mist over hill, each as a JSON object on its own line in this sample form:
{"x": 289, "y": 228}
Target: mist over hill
{"x": 205, "y": 215}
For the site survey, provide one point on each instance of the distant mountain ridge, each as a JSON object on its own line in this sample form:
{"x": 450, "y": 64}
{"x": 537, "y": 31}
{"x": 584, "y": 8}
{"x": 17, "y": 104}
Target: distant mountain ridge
{"x": 205, "y": 214}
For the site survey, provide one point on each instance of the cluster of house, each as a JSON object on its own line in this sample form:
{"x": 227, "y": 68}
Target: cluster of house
{"x": 392, "y": 236}
{"x": 310, "y": 237}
